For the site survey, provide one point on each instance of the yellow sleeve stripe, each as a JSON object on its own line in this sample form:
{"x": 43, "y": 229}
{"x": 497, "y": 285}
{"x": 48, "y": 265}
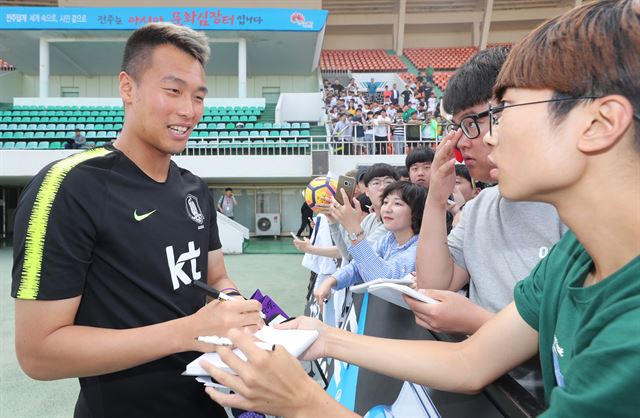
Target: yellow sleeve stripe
{"x": 39, "y": 219}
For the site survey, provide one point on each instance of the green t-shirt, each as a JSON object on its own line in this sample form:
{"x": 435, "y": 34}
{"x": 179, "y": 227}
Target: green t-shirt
{"x": 589, "y": 338}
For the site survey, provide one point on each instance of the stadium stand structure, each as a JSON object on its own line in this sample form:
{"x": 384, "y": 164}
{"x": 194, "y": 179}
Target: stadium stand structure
{"x": 360, "y": 60}
{"x": 5, "y": 66}
{"x": 234, "y": 130}
{"x": 439, "y": 58}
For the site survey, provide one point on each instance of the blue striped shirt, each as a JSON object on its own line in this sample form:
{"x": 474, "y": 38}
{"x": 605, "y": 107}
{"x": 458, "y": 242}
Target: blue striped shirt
{"x": 386, "y": 260}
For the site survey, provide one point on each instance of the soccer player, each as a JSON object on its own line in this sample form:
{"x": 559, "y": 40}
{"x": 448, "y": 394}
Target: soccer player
{"x": 107, "y": 242}
{"x": 566, "y": 131}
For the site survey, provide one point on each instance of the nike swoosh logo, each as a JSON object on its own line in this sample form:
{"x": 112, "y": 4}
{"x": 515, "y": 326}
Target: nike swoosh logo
{"x": 143, "y": 216}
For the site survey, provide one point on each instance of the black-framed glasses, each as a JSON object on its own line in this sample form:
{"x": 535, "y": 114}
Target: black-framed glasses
{"x": 468, "y": 124}
{"x": 494, "y": 112}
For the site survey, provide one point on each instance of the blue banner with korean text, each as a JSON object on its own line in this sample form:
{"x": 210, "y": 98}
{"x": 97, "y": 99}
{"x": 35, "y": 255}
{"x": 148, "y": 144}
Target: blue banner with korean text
{"x": 131, "y": 18}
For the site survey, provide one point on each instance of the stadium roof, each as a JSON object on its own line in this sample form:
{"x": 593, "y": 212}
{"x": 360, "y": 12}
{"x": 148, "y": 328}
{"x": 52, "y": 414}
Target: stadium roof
{"x": 430, "y": 6}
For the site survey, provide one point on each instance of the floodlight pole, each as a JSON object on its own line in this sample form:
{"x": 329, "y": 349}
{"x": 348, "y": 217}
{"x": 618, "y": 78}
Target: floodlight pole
{"x": 242, "y": 68}
{"x": 44, "y": 68}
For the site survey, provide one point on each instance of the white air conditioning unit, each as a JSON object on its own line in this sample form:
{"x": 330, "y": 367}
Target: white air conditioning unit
{"x": 267, "y": 224}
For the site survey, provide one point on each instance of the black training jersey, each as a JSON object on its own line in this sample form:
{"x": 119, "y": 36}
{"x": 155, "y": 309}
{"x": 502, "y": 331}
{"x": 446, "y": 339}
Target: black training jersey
{"x": 95, "y": 225}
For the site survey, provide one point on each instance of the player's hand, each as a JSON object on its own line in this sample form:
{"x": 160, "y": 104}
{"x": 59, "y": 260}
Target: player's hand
{"x": 443, "y": 173}
{"x": 217, "y": 318}
{"x": 323, "y": 291}
{"x": 303, "y": 245}
{"x": 454, "y": 314}
{"x": 272, "y": 382}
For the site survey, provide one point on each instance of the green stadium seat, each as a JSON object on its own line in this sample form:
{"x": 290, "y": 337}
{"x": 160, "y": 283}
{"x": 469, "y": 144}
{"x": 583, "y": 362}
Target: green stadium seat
{"x": 12, "y": 127}
{"x": 9, "y": 144}
{"x": 202, "y": 126}
{"x": 234, "y": 133}
{"x": 258, "y": 125}
{"x": 304, "y": 125}
{"x": 20, "y": 145}
{"x": 226, "y": 119}
{"x": 223, "y": 133}
{"x": 60, "y": 134}
{"x": 243, "y": 133}
{"x": 285, "y": 133}
{"x": 117, "y": 126}
{"x": 267, "y": 125}
{"x": 101, "y": 134}
{"x": 274, "y": 133}
{"x": 39, "y": 134}
{"x": 276, "y": 125}
{"x": 90, "y": 144}
{"x": 33, "y": 127}
{"x": 295, "y": 133}
{"x": 43, "y": 145}
{"x": 263, "y": 133}
{"x": 30, "y": 134}
{"x": 305, "y": 133}
{"x": 254, "y": 133}
{"x": 50, "y": 134}
{"x": 295, "y": 125}
{"x": 230, "y": 125}
{"x": 235, "y": 118}
{"x": 3, "y": 126}
{"x": 100, "y": 143}
{"x": 7, "y": 134}
{"x": 56, "y": 145}
{"x": 217, "y": 119}
{"x": 248, "y": 125}
{"x": 91, "y": 134}
{"x": 89, "y": 126}
{"x": 18, "y": 134}
{"x": 220, "y": 126}
{"x": 22, "y": 126}
{"x": 112, "y": 134}
{"x": 212, "y": 134}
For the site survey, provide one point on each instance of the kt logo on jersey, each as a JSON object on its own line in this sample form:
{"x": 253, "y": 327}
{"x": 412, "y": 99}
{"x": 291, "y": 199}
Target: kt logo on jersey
{"x": 176, "y": 266}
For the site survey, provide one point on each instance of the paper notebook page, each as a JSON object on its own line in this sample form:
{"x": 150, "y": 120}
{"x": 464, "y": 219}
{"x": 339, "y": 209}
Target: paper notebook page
{"x": 362, "y": 287}
{"x": 294, "y": 341}
{"x": 392, "y": 292}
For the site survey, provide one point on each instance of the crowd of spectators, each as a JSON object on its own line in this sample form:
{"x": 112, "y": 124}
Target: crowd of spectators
{"x": 375, "y": 118}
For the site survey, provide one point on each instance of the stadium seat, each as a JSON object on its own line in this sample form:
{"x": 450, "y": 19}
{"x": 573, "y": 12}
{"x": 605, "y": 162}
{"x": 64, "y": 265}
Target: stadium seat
{"x": 56, "y": 145}
{"x": 43, "y": 145}
{"x": 9, "y": 144}
{"x": 20, "y": 145}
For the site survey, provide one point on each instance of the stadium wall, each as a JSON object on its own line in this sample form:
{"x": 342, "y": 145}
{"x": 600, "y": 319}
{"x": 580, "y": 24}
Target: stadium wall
{"x": 107, "y": 86}
{"x": 10, "y": 86}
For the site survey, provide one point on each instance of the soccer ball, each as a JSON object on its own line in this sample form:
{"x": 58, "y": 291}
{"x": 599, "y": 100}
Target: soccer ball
{"x": 319, "y": 190}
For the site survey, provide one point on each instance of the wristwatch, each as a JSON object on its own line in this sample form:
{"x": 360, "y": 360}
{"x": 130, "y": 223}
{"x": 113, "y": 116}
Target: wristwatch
{"x": 353, "y": 236}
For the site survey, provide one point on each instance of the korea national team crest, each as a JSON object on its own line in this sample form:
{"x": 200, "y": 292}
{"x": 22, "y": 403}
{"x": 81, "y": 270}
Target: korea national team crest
{"x": 193, "y": 209}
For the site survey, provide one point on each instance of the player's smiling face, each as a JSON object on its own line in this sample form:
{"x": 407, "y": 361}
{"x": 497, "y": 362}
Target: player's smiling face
{"x": 168, "y": 99}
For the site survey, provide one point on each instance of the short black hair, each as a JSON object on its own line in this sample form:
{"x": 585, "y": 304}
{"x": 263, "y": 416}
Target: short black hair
{"x": 463, "y": 171}
{"x": 228, "y": 189}
{"x": 413, "y": 195}
{"x": 419, "y": 155}
{"x": 402, "y": 171}
{"x": 473, "y": 83}
{"x": 140, "y": 46}
{"x": 379, "y": 170}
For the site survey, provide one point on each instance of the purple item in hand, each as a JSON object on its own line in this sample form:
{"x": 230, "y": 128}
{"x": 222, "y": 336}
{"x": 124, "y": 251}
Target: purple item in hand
{"x": 269, "y": 307}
